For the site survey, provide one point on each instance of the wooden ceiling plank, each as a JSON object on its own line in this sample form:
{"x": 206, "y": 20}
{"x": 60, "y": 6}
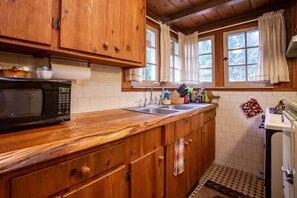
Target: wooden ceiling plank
{"x": 212, "y": 16}
{"x": 199, "y": 9}
{"x": 242, "y": 8}
{"x": 238, "y": 19}
{"x": 259, "y": 4}
{"x": 181, "y": 5}
{"x": 226, "y": 12}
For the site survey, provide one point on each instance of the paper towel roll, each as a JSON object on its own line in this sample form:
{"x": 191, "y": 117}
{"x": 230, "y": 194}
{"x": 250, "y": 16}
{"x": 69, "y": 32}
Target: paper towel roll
{"x": 61, "y": 71}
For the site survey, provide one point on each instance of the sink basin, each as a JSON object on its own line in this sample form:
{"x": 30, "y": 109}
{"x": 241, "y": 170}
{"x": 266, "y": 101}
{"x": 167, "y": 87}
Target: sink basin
{"x": 178, "y": 107}
{"x": 158, "y": 111}
{"x": 152, "y": 110}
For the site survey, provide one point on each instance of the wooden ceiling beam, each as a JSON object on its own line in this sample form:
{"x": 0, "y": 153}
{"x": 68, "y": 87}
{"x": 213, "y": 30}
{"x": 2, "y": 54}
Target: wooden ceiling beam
{"x": 238, "y": 19}
{"x": 198, "y": 10}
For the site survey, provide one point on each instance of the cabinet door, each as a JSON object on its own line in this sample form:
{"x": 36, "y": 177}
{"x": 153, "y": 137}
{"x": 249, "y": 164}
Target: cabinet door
{"x": 111, "y": 185}
{"x": 208, "y": 143}
{"x": 176, "y": 186}
{"x": 194, "y": 158}
{"x": 147, "y": 175}
{"x": 86, "y": 25}
{"x": 129, "y": 34}
{"x": 26, "y": 20}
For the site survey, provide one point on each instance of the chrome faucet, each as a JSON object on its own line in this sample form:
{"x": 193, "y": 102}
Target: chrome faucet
{"x": 156, "y": 83}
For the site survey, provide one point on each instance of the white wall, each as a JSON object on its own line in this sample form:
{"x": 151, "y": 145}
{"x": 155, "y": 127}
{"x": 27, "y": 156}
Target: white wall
{"x": 239, "y": 141}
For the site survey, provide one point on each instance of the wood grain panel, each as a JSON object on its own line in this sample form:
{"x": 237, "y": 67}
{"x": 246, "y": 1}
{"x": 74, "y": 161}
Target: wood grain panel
{"x": 161, "y": 7}
{"x": 184, "y": 24}
{"x": 111, "y": 185}
{"x": 26, "y": 20}
{"x": 147, "y": 175}
{"x": 66, "y": 174}
{"x": 242, "y": 8}
{"x": 197, "y": 2}
{"x": 212, "y": 16}
{"x": 84, "y": 27}
{"x": 259, "y": 4}
{"x": 181, "y": 4}
{"x": 199, "y": 20}
{"x": 226, "y": 12}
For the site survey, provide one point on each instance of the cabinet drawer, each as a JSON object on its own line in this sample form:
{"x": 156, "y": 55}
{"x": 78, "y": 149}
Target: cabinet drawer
{"x": 209, "y": 116}
{"x": 56, "y": 178}
{"x": 182, "y": 128}
{"x": 196, "y": 122}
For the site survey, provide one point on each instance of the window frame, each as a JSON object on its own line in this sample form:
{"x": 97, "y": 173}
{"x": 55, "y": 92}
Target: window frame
{"x": 208, "y": 84}
{"x": 245, "y": 84}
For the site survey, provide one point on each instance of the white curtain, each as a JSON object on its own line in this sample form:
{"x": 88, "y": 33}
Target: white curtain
{"x": 188, "y": 55}
{"x": 133, "y": 75}
{"x": 272, "y": 63}
{"x": 165, "y": 53}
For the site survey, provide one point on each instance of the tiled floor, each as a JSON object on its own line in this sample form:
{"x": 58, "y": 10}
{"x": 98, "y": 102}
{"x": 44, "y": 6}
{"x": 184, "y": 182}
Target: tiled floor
{"x": 242, "y": 182}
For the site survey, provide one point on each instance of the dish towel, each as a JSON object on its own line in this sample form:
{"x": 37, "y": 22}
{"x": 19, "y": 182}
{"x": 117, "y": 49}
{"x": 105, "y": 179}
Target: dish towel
{"x": 179, "y": 163}
{"x": 251, "y": 108}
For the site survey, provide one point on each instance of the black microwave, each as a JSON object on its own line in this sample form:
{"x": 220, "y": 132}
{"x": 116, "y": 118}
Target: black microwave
{"x": 31, "y": 102}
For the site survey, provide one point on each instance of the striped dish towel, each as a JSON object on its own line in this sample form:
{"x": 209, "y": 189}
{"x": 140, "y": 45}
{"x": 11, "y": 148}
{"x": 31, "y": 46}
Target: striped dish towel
{"x": 179, "y": 165}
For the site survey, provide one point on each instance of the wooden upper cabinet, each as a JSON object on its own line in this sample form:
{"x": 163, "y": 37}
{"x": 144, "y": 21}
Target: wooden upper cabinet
{"x": 85, "y": 25}
{"x": 129, "y": 43}
{"x": 26, "y": 20}
{"x": 107, "y": 27}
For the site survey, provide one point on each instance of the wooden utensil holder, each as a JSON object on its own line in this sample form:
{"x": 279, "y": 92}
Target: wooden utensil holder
{"x": 175, "y": 98}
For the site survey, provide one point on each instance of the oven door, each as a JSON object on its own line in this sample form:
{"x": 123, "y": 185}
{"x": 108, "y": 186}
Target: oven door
{"x": 289, "y": 158}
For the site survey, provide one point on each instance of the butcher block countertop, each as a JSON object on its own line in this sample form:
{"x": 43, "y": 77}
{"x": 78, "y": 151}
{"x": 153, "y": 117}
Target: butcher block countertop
{"x": 19, "y": 149}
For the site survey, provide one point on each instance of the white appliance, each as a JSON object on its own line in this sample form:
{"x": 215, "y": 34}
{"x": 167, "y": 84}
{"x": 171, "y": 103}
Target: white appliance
{"x": 273, "y": 159}
{"x": 290, "y": 150}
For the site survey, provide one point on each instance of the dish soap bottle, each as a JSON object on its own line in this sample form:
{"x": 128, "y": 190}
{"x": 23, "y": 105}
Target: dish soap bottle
{"x": 166, "y": 95}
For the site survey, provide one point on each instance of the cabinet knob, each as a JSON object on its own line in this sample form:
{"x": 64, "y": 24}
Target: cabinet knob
{"x": 117, "y": 48}
{"x": 190, "y": 140}
{"x": 106, "y": 44}
{"x": 210, "y": 117}
{"x": 187, "y": 143}
{"x": 161, "y": 158}
{"x": 203, "y": 132}
{"x": 85, "y": 170}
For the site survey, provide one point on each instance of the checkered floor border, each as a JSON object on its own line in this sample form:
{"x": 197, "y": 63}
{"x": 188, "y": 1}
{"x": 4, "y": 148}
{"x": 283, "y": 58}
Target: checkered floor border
{"x": 242, "y": 182}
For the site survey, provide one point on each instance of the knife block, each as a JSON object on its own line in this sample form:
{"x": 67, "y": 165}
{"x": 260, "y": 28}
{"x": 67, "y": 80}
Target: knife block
{"x": 175, "y": 99}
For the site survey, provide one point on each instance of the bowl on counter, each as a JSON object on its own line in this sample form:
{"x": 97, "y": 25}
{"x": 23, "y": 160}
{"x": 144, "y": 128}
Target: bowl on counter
{"x": 13, "y": 72}
{"x": 44, "y": 74}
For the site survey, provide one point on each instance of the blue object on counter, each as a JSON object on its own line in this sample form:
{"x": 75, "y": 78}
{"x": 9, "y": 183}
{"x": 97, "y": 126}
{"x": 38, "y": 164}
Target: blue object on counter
{"x": 166, "y": 95}
{"x": 44, "y": 68}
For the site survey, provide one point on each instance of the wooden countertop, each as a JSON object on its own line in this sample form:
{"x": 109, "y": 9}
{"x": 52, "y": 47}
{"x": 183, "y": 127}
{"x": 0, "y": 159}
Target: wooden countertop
{"x": 19, "y": 149}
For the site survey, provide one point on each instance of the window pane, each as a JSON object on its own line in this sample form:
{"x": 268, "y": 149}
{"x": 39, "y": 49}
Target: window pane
{"x": 176, "y": 48}
{"x": 150, "y": 72}
{"x": 176, "y": 62}
{"x": 252, "y": 72}
{"x": 171, "y": 61}
{"x": 143, "y": 70}
{"x": 252, "y": 55}
{"x": 150, "y": 55}
{"x": 205, "y": 75}
{"x": 205, "y": 47}
{"x": 236, "y": 57}
{"x": 205, "y": 61}
{"x": 236, "y": 40}
{"x": 253, "y": 38}
{"x": 171, "y": 46}
{"x": 171, "y": 74}
{"x": 237, "y": 73}
{"x": 177, "y": 75}
{"x": 150, "y": 39}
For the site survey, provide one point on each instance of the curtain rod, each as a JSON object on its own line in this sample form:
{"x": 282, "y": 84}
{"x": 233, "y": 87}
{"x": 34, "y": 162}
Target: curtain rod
{"x": 208, "y": 31}
{"x": 158, "y": 22}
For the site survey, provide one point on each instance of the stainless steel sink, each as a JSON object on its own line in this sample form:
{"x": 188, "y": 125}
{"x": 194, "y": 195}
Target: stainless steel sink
{"x": 178, "y": 107}
{"x": 158, "y": 111}
{"x": 165, "y": 109}
{"x": 152, "y": 110}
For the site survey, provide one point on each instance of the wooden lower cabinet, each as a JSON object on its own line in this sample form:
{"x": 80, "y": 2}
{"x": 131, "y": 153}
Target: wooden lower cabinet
{"x": 111, "y": 185}
{"x": 208, "y": 143}
{"x": 179, "y": 186}
{"x": 147, "y": 175}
